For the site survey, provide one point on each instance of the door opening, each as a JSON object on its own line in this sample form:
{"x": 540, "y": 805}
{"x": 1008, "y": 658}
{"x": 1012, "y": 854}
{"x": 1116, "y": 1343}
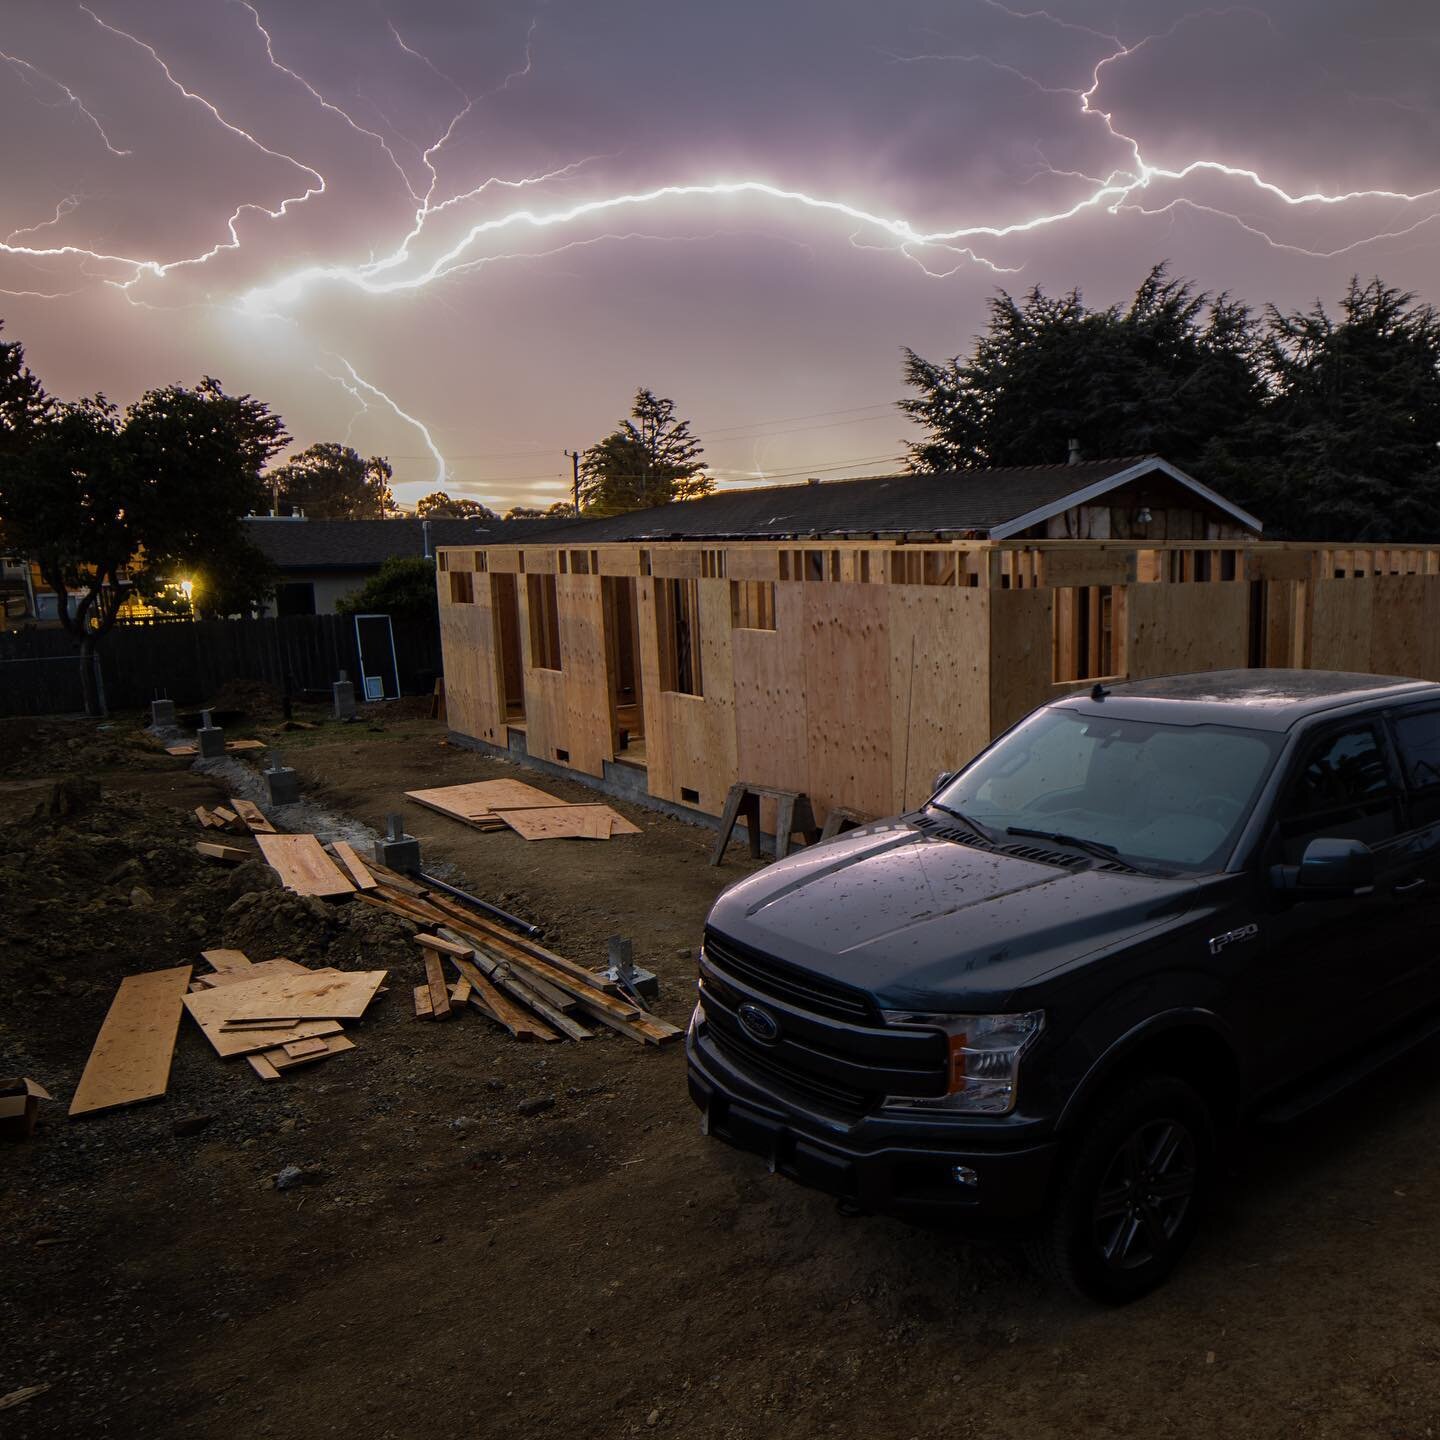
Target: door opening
{"x": 511, "y": 675}
{"x": 622, "y": 665}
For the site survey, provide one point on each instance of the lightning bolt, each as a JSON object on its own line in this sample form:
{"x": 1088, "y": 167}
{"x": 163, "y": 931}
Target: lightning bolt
{"x": 22, "y": 67}
{"x": 1138, "y": 184}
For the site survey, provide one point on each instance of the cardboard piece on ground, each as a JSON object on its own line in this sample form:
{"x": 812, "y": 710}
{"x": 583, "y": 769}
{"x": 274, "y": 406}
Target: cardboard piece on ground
{"x": 211, "y": 1010}
{"x": 131, "y": 1057}
{"x": 226, "y": 959}
{"x": 271, "y": 1064}
{"x": 574, "y": 822}
{"x": 345, "y": 853}
{"x": 20, "y": 1099}
{"x": 303, "y": 866}
{"x": 342, "y": 995}
{"x": 253, "y": 817}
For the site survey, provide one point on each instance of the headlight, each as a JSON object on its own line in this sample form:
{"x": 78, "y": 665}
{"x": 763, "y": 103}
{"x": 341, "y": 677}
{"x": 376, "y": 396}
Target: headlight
{"x": 983, "y": 1059}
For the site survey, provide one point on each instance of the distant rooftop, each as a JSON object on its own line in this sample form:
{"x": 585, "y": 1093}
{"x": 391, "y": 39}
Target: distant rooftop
{"x": 296, "y": 544}
{"x": 981, "y": 504}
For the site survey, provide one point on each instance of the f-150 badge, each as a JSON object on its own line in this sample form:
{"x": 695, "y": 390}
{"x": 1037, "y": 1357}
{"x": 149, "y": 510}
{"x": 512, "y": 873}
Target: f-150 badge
{"x": 1232, "y": 937}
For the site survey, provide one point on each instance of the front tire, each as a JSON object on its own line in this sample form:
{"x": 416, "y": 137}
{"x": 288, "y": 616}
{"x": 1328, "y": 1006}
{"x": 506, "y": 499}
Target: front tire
{"x": 1130, "y": 1197}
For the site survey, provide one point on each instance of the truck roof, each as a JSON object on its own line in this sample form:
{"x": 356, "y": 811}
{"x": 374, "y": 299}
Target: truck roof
{"x": 1253, "y": 699}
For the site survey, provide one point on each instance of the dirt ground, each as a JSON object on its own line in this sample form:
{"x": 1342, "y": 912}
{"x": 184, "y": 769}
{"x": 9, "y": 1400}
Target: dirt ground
{"x": 455, "y": 1268}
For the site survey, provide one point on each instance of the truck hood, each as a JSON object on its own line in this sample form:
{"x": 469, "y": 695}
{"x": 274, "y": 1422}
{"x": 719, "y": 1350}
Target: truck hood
{"x": 918, "y": 921}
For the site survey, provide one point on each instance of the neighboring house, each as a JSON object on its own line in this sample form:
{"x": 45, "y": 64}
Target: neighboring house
{"x": 318, "y": 562}
{"x": 1136, "y": 498}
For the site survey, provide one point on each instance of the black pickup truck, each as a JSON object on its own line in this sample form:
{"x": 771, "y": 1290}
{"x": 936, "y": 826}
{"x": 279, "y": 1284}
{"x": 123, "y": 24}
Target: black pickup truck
{"x": 1142, "y": 916}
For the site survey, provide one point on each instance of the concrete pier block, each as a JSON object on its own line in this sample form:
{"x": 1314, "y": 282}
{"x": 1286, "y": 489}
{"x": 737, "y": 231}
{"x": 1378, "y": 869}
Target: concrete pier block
{"x": 282, "y": 782}
{"x": 396, "y": 849}
{"x": 343, "y": 694}
{"x": 162, "y": 714}
{"x": 209, "y": 738}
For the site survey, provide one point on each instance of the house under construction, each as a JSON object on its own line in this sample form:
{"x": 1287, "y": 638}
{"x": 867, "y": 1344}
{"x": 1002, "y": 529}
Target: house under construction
{"x": 848, "y": 640}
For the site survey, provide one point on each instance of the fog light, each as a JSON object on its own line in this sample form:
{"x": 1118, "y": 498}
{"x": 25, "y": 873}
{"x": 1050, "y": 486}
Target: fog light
{"x": 964, "y": 1175}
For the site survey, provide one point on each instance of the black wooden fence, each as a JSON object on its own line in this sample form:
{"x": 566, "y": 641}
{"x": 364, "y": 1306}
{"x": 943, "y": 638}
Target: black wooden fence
{"x": 190, "y": 661}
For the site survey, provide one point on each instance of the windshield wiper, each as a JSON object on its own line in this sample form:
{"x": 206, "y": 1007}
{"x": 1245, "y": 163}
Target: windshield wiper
{"x": 974, "y": 824}
{"x": 1090, "y": 847}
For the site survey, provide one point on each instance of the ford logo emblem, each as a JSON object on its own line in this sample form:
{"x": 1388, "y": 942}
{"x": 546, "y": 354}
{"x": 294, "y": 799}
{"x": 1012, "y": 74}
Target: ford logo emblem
{"x": 760, "y": 1023}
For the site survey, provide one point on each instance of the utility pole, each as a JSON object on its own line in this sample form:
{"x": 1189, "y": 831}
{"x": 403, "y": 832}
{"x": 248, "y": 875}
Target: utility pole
{"x": 575, "y": 465}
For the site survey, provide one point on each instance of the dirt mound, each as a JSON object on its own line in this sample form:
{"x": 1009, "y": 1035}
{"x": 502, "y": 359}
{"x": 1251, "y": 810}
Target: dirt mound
{"x": 63, "y": 747}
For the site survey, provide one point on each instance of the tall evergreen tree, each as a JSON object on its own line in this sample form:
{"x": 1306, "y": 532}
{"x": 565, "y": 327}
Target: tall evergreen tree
{"x": 650, "y": 459}
{"x": 1169, "y": 373}
{"x": 1348, "y": 445}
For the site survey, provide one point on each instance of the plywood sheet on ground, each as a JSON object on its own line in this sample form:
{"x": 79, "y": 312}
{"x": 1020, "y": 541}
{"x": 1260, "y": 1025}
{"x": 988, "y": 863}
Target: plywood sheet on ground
{"x": 210, "y": 1009}
{"x": 131, "y": 1057}
{"x": 573, "y": 822}
{"x": 338, "y": 995}
{"x": 303, "y": 866}
{"x": 483, "y": 798}
{"x": 265, "y": 968}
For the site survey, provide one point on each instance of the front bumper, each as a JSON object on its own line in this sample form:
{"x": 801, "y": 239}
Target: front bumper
{"x": 899, "y": 1166}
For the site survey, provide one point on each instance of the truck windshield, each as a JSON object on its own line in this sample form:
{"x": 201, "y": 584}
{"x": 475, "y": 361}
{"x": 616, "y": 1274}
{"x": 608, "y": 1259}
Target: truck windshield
{"x": 1172, "y": 796}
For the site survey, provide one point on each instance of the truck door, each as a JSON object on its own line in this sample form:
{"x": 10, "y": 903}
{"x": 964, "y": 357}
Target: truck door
{"x": 1325, "y": 967}
{"x": 1416, "y": 734}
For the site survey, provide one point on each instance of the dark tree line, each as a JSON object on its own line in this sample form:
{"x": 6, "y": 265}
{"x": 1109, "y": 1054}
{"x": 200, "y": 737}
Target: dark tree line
{"x": 1326, "y": 426}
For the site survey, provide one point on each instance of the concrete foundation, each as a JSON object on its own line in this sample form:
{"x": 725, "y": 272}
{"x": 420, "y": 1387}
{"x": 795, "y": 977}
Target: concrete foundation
{"x": 162, "y": 714}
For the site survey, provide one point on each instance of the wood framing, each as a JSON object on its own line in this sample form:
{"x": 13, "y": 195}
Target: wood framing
{"x": 854, "y": 670}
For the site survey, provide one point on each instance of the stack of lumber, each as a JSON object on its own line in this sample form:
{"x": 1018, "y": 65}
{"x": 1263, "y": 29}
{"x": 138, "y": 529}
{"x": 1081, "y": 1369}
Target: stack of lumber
{"x": 236, "y": 816}
{"x": 277, "y": 1014}
{"x": 530, "y": 812}
{"x": 526, "y": 989}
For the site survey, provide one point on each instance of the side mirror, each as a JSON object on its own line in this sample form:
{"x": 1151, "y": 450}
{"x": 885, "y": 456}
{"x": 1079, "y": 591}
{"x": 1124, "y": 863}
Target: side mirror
{"x": 1329, "y": 869}
{"x": 942, "y": 780}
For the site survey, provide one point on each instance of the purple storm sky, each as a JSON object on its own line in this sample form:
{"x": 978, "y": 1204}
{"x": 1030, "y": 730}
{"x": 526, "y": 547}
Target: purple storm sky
{"x": 463, "y": 233}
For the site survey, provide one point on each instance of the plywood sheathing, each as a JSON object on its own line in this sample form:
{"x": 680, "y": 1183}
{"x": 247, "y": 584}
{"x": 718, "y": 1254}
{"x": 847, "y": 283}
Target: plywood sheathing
{"x": 907, "y": 658}
{"x": 131, "y": 1057}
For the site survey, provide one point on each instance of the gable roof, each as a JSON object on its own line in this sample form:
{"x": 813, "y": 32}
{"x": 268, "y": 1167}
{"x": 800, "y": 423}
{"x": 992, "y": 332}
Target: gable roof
{"x": 995, "y": 504}
{"x": 292, "y": 544}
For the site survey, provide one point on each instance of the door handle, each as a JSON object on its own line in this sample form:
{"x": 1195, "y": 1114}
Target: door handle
{"x": 1410, "y": 886}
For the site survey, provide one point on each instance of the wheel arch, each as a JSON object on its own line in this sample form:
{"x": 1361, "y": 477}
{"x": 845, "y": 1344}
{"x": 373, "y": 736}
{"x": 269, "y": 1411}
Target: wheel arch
{"x": 1190, "y": 1044}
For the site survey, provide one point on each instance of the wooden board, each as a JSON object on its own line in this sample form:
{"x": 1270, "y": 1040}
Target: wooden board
{"x": 439, "y": 991}
{"x": 303, "y": 866}
{"x": 278, "y": 966}
{"x": 483, "y": 798}
{"x": 520, "y": 1023}
{"x": 359, "y": 873}
{"x": 213, "y": 850}
{"x": 574, "y": 822}
{"x": 131, "y": 1057}
{"x": 424, "y": 1004}
{"x": 226, "y": 959}
{"x": 252, "y": 816}
{"x": 341, "y": 995}
{"x": 211, "y": 1009}
{"x": 439, "y": 942}
{"x": 271, "y": 1064}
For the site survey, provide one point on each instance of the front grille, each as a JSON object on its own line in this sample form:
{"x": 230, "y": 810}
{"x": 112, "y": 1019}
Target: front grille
{"x": 768, "y": 976}
{"x": 804, "y": 1083}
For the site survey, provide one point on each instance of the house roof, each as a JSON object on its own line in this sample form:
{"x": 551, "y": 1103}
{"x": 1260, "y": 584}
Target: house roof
{"x": 293, "y": 544}
{"x": 992, "y": 503}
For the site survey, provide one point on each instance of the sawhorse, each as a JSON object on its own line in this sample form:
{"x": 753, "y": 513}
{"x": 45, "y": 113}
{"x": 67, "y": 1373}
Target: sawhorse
{"x": 792, "y": 812}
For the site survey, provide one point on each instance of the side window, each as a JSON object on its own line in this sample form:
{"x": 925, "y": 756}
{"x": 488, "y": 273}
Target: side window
{"x": 1418, "y": 736}
{"x": 1342, "y": 790}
